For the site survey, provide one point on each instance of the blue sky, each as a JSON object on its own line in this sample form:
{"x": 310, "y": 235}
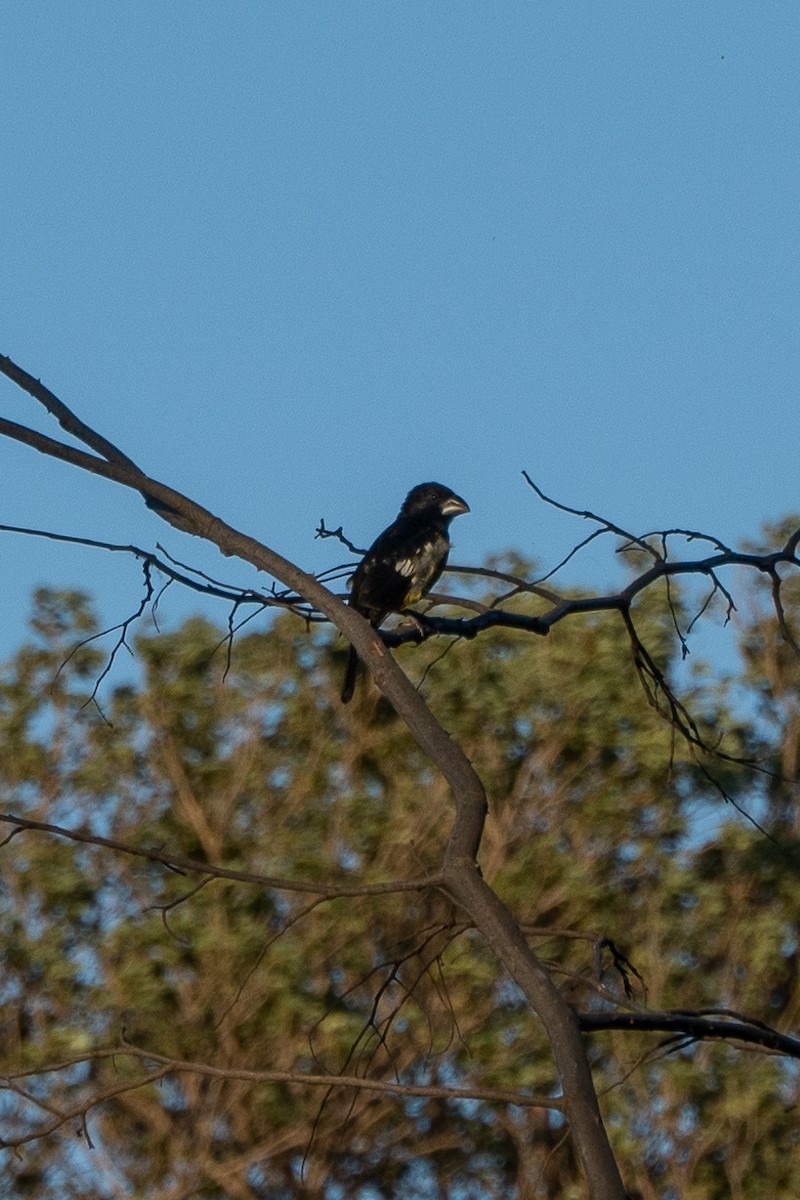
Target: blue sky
{"x": 296, "y": 257}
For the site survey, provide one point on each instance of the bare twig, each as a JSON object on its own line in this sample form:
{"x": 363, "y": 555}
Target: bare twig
{"x": 328, "y": 891}
{"x": 170, "y": 1066}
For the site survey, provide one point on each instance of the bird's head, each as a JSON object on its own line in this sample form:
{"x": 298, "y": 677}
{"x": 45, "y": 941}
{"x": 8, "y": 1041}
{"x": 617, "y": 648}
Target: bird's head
{"x": 433, "y": 498}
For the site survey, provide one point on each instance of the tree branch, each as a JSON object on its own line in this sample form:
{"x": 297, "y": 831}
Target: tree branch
{"x": 695, "y": 1026}
{"x": 178, "y": 862}
{"x": 173, "y": 1066}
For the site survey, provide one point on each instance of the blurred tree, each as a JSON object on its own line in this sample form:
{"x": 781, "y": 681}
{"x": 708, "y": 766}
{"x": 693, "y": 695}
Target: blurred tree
{"x": 247, "y": 760}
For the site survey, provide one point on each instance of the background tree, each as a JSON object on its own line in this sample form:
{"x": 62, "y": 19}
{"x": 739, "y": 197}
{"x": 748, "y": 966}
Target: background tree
{"x": 589, "y": 839}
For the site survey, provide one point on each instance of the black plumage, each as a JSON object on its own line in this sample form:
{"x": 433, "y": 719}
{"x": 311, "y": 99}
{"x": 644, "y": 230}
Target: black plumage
{"x": 404, "y": 562}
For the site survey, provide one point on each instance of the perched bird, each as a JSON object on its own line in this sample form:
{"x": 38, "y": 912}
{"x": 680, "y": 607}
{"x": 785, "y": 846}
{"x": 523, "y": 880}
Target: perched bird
{"x": 402, "y": 565}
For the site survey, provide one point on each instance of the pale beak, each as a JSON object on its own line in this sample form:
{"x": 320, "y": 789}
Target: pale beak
{"x": 454, "y": 506}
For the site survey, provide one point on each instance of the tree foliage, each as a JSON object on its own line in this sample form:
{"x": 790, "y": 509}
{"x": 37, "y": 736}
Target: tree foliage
{"x": 165, "y": 1017}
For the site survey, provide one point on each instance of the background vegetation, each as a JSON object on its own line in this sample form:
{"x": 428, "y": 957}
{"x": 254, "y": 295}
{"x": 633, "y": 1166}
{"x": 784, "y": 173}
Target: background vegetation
{"x": 616, "y": 853}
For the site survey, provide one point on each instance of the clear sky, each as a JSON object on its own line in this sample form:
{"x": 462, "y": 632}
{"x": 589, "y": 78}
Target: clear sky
{"x": 296, "y": 257}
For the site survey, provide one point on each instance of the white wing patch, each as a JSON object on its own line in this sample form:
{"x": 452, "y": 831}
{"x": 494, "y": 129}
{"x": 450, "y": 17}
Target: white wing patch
{"x": 410, "y": 566}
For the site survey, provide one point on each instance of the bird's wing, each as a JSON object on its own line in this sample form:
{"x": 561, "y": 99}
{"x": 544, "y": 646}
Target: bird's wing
{"x": 400, "y": 568}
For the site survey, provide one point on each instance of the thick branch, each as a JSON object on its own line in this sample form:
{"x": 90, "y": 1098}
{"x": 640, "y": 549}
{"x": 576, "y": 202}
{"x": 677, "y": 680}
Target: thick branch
{"x": 501, "y": 931}
{"x": 65, "y": 417}
{"x": 388, "y": 675}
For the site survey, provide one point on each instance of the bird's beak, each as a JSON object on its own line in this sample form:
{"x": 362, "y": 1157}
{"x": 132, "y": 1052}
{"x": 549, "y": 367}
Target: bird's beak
{"x": 454, "y": 506}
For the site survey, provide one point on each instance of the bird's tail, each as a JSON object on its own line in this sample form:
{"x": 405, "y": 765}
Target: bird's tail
{"x": 348, "y": 687}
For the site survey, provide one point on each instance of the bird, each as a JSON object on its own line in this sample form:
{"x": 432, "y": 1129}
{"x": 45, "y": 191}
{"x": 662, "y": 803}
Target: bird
{"x": 404, "y": 562}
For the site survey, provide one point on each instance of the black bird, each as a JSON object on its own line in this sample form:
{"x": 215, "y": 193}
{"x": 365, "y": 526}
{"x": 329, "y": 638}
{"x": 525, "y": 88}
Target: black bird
{"x": 402, "y": 565}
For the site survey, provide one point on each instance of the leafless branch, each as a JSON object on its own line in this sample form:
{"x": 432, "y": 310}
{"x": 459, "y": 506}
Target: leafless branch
{"x": 173, "y": 1066}
{"x": 606, "y": 525}
{"x": 79, "y": 1112}
{"x": 330, "y": 891}
{"x": 695, "y": 1026}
